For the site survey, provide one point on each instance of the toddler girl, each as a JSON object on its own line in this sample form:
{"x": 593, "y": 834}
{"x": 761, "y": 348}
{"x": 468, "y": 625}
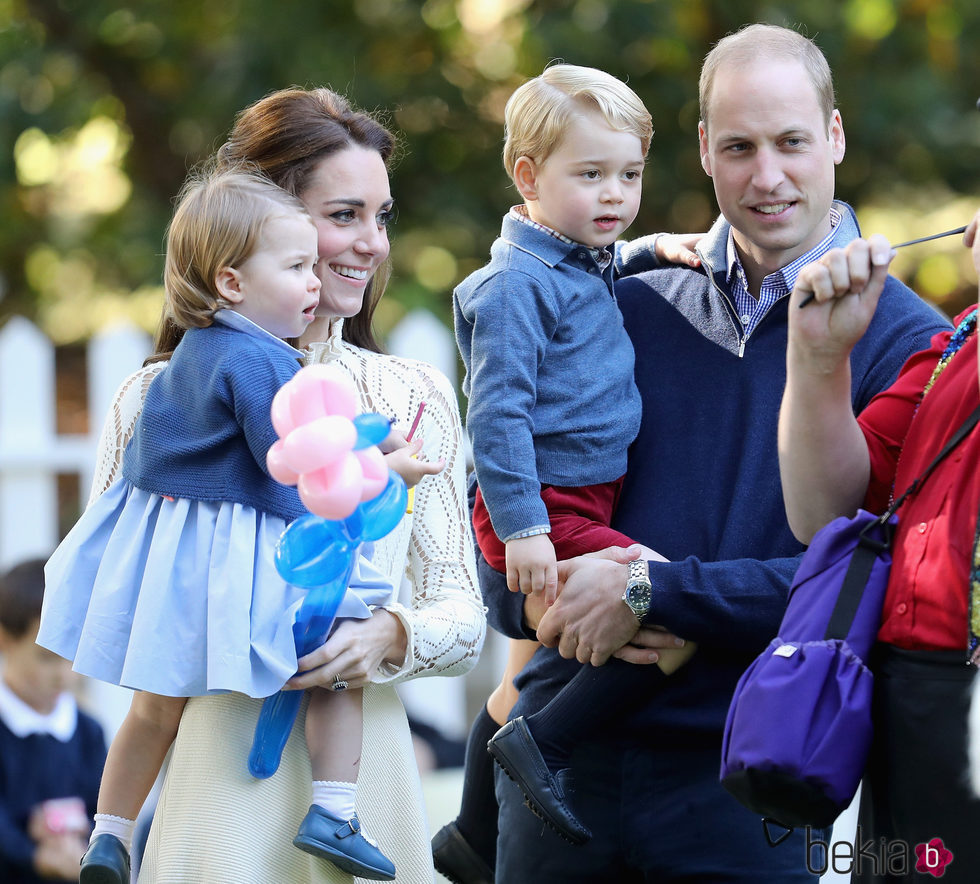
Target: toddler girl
{"x": 167, "y": 583}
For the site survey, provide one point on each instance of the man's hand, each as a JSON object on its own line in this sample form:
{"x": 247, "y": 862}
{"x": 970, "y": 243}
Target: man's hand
{"x": 535, "y": 606}
{"x": 531, "y": 566}
{"x": 589, "y": 621}
{"x": 648, "y": 645}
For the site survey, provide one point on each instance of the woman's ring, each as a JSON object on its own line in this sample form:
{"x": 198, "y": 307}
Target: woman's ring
{"x": 339, "y": 684}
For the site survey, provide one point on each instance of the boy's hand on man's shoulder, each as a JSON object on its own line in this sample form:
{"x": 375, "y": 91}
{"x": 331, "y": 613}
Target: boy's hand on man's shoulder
{"x": 678, "y": 248}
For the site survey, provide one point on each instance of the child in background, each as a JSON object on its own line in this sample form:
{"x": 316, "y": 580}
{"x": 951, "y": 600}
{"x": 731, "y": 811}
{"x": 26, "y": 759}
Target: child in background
{"x": 549, "y": 377}
{"x": 51, "y": 753}
{"x": 167, "y": 583}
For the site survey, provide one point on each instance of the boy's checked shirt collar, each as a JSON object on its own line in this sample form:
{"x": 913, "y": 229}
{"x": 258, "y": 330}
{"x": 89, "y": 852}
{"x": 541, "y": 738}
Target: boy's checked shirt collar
{"x": 602, "y": 256}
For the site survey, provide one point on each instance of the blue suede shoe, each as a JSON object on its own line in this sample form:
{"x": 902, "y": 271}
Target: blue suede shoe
{"x": 342, "y": 843}
{"x": 105, "y": 862}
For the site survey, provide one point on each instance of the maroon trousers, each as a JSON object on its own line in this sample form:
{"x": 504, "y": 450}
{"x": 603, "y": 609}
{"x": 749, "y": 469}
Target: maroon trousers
{"x": 579, "y": 519}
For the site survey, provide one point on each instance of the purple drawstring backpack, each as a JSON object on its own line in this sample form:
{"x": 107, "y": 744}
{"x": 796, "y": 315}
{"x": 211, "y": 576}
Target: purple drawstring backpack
{"x": 799, "y": 725}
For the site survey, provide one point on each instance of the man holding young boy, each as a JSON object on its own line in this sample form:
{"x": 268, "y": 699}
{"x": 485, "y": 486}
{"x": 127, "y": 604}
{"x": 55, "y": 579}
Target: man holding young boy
{"x": 702, "y": 488}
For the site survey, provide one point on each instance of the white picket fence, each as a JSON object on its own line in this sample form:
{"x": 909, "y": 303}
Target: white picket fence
{"x": 33, "y": 454}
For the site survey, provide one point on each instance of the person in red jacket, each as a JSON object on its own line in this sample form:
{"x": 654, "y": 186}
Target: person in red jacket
{"x": 831, "y": 462}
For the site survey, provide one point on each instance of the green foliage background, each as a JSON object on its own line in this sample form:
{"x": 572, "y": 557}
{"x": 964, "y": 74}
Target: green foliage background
{"x": 103, "y": 108}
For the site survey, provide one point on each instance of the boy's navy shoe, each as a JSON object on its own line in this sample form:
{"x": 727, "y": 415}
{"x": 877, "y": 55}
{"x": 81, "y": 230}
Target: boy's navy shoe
{"x": 455, "y": 858}
{"x": 514, "y": 749}
{"x": 342, "y": 843}
{"x": 105, "y": 862}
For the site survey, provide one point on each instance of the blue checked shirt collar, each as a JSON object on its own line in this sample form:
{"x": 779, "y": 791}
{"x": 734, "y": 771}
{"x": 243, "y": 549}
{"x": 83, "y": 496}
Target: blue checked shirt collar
{"x": 776, "y": 285}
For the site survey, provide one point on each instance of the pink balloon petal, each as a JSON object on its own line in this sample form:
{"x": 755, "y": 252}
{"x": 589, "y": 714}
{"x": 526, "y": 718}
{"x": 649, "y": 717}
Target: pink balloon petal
{"x": 319, "y": 443}
{"x": 275, "y": 460}
{"x": 375, "y": 472}
{"x": 336, "y": 389}
{"x": 333, "y": 492}
{"x": 306, "y": 400}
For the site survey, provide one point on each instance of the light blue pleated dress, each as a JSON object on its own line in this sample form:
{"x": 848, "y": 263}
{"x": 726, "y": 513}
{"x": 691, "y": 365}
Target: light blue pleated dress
{"x": 180, "y": 597}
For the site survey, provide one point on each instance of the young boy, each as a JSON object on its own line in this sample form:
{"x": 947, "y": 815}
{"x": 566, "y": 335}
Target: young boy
{"x": 549, "y": 376}
{"x": 51, "y": 753}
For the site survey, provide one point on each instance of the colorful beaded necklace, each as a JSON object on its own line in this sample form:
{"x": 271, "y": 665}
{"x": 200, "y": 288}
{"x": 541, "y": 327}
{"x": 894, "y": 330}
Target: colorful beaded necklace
{"x": 967, "y": 327}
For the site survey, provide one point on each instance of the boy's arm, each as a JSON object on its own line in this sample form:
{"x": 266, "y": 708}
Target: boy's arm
{"x": 655, "y": 250}
{"x": 509, "y": 320}
{"x": 505, "y": 610}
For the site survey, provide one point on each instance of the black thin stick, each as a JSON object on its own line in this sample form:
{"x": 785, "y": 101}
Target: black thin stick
{"x": 901, "y": 245}
{"x": 912, "y": 242}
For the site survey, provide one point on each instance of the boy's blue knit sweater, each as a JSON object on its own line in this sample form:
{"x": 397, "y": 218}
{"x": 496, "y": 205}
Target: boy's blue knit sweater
{"x": 703, "y": 487}
{"x": 206, "y": 427}
{"x": 549, "y": 373}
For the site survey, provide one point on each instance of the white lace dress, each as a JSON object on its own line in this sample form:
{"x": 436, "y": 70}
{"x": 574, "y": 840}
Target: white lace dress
{"x": 214, "y": 823}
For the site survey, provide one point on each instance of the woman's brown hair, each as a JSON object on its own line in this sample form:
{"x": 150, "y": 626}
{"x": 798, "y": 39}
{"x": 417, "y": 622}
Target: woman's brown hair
{"x": 286, "y": 135}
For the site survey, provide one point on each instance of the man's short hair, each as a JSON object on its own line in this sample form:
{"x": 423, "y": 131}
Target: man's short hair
{"x": 761, "y": 42}
{"x": 537, "y": 114}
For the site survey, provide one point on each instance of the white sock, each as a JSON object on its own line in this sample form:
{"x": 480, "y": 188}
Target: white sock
{"x": 335, "y": 798}
{"x": 107, "y": 824}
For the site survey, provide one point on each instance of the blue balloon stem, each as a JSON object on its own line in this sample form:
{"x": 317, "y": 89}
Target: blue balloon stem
{"x": 310, "y": 630}
{"x": 272, "y": 731}
{"x": 319, "y": 554}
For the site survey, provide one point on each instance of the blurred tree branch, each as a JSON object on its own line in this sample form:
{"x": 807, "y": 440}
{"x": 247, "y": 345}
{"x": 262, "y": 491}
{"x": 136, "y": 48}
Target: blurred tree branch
{"x": 173, "y": 73}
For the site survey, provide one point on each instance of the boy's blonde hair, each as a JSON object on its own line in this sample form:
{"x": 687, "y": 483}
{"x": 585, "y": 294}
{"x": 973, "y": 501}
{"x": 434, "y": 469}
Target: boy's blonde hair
{"x": 537, "y": 114}
{"x": 218, "y": 223}
{"x": 761, "y": 42}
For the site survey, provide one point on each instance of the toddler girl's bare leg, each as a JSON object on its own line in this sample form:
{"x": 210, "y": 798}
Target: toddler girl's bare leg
{"x": 334, "y": 721}
{"x": 137, "y": 753}
{"x": 333, "y": 733}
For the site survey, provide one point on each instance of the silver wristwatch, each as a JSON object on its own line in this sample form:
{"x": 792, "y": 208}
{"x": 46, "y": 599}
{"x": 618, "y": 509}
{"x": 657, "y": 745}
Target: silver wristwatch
{"x": 637, "y": 595}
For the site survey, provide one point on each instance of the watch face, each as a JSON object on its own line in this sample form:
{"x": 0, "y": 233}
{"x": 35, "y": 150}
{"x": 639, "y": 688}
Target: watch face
{"x": 638, "y": 597}
{"x": 640, "y": 594}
